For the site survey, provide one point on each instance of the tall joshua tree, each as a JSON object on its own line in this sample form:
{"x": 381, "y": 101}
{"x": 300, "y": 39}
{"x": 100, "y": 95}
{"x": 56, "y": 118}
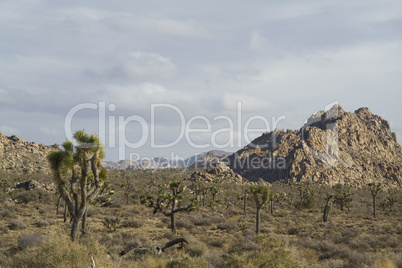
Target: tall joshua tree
{"x": 375, "y": 189}
{"x": 79, "y": 175}
{"x": 260, "y": 194}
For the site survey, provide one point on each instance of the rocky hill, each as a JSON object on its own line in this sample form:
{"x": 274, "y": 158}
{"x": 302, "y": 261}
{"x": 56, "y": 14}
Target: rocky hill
{"x": 19, "y": 156}
{"x": 332, "y": 147}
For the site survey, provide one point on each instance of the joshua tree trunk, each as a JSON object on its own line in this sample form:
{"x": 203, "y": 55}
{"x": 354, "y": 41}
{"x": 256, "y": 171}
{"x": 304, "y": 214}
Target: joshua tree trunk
{"x": 76, "y": 221}
{"x": 58, "y": 205}
{"x": 172, "y": 221}
{"x": 374, "y": 207}
{"x": 84, "y": 221}
{"x": 271, "y": 205}
{"x": 65, "y": 212}
{"x": 327, "y": 208}
{"x": 257, "y": 221}
{"x": 244, "y": 203}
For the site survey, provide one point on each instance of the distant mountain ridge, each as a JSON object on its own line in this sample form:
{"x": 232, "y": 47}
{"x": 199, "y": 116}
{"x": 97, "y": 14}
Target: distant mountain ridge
{"x": 332, "y": 147}
{"x": 197, "y": 160}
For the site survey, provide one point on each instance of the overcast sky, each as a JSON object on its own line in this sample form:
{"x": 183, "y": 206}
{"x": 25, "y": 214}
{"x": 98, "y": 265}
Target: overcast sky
{"x": 278, "y": 58}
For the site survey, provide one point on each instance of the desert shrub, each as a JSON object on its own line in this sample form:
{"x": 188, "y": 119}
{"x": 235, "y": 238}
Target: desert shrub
{"x": 227, "y": 226}
{"x": 182, "y": 223}
{"x": 169, "y": 235}
{"x": 149, "y": 261}
{"x": 111, "y": 223}
{"x": 29, "y": 240}
{"x": 206, "y": 220}
{"x": 215, "y": 242}
{"x": 132, "y": 224}
{"x": 293, "y": 230}
{"x": 200, "y": 220}
{"x": 44, "y": 223}
{"x": 3, "y": 229}
{"x": 327, "y": 249}
{"x": 195, "y": 248}
{"x": 129, "y": 236}
{"x": 6, "y": 212}
{"x": 357, "y": 259}
{"x": 108, "y": 241}
{"x": 17, "y": 225}
{"x": 3, "y": 260}
{"x": 280, "y": 257}
{"x": 384, "y": 241}
{"x": 214, "y": 259}
{"x": 242, "y": 245}
{"x": 131, "y": 245}
{"x": 33, "y": 195}
{"x": 272, "y": 252}
{"x": 187, "y": 262}
{"x": 61, "y": 252}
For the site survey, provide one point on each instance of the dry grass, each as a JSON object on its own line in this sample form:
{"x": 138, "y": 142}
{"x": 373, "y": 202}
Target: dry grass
{"x": 219, "y": 236}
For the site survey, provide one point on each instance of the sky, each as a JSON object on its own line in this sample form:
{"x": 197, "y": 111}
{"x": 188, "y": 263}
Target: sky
{"x": 164, "y": 78}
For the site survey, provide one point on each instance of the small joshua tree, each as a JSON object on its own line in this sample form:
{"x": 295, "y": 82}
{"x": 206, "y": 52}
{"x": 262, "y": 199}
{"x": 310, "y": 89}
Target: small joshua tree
{"x": 343, "y": 195}
{"x": 390, "y": 200}
{"x": 214, "y": 190}
{"x": 170, "y": 204}
{"x": 375, "y": 189}
{"x": 272, "y": 196}
{"x": 4, "y": 185}
{"x": 128, "y": 189}
{"x": 306, "y": 195}
{"x": 200, "y": 191}
{"x": 260, "y": 194}
{"x": 246, "y": 192}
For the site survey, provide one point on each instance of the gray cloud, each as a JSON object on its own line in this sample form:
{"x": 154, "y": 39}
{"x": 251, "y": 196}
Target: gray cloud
{"x": 278, "y": 58}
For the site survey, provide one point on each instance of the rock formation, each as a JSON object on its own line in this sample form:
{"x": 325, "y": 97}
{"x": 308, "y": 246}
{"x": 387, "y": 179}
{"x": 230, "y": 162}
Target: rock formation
{"x": 220, "y": 171}
{"x": 209, "y": 159}
{"x": 19, "y": 156}
{"x": 332, "y": 147}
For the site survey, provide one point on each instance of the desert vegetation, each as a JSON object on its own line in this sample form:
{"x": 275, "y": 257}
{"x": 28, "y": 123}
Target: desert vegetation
{"x": 220, "y": 228}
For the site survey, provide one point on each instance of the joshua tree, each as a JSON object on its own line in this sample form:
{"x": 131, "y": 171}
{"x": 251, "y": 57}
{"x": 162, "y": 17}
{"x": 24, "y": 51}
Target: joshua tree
{"x": 4, "y": 185}
{"x": 306, "y": 195}
{"x": 214, "y": 190}
{"x": 174, "y": 201}
{"x": 327, "y": 207}
{"x": 271, "y": 198}
{"x": 390, "y": 200}
{"x": 200, "y": 191}
{"x": 79, "y": 175}
{"x": 260, "y": 194}
{"x": 375, "y": 189}
{"x": 343, "y": 195}
{"x": 128, "y": 189}
{"x": 245, "y": 195}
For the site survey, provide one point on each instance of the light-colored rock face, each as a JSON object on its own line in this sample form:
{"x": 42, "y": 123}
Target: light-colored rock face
{"x": 19, "y": 156}
{"x": 332, "y": 147}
